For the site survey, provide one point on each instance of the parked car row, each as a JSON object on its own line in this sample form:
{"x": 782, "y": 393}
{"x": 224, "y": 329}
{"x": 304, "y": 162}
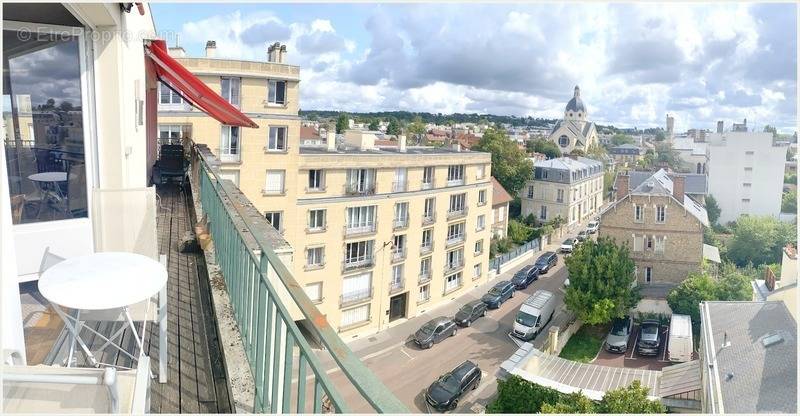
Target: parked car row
{"x": 648, "y": 343}
{"x": 570, "y": 243}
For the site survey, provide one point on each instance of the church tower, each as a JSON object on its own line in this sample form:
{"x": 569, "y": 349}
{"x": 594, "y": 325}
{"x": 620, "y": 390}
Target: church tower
{"x": 575, "y": 110}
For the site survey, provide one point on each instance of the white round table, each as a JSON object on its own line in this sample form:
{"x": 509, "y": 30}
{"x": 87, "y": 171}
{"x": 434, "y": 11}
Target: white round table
{"x": 101, "y": 281}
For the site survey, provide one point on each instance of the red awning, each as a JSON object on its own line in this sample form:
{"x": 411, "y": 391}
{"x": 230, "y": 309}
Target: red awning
{"x": 191, "y": 88}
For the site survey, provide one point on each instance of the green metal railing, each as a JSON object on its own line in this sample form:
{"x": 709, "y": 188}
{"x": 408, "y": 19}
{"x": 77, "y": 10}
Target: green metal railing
{"x": 284, "y": 366}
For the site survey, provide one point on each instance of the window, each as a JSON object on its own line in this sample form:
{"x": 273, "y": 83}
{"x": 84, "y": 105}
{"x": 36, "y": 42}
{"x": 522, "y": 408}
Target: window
{"x": 481, "y": 222}
{"x": 314, "y": 291}
{"x": 458, "y": 202}
{"x": 649, "y": 242}
{"x": 455, "y": 174}
{"x": 274, "y": 182}
{"x": 530, "y": 191}
{"x": 452, "y": 282}
{"x": 501, "y": 214}
{"x": 358, "y": 252}
{"x": 543, "y": 212}
{"x": 231, "y": 175}
{"x": 397, "y": 276}
{"x": 355, "y": 316}
{"x": 747, "y": 185}
{"x": 455, "y": 231}
{"x": 231, "y": 88}
{"x": 429, "y": 209}
{"x": 315, "y": 180}
{"x": 661, "y": 213}
{"x": 638, "y": 243}
{"x": 648, "y": 274}
{"x": 360, "y": 181}
{"x": 427, "y": 237}
{"x": 425, "y": 267}
{"x": 361, "y": 217}
{"x": 637, "y": 213}
{"x": 229, "y": 144}
{"x": 745, "y": 200}
{"x": 275, "y": 219}
{"x": 748, "y": 169}
{"x": 427, "y": 177}
{"x": 400, "y": 175}
{"x": 276, "y": 93}
{"x": 174, "y": 131}
{"x": 401, "y": 214}
{"x": 315, "y": 256}
{"x": 660, "y": 240}
{"x": 424, "y": 293}
{"x": 277, "y": 139}
{"x": 167, "y": 95}
{"x": 563, "y": 141}
{"x": 560, "y": 195}
{"x": 399, "y": 244}
{"x": 316, "y": 219}
{"x": 476, "y": 271}
{"x": 482, "y": 197}
{"x": 479, "y": 247}
{"x": 481, "y": 172}
{"x": 454, "y": 258}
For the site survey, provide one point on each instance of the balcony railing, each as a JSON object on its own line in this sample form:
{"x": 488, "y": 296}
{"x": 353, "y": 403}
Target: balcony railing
{"x": 262, "y": 290}
{"x": 355, "y": 297}
{"x": 453, "y": 266}
{"x": 457, "y": 213}
{"x": 359, "y": 189}
{"x": 357, "y": 263}
{"x": 396, "y": 286}
{"x": 427, "y": 185}
{"x": 455, "y": 240}
{"x": 400, "y": 223}
{"x": 399, "y": 254}
{"x": 227, "y": 155}
{"x": 360, "y": 229}
{"x": 429, "y": 218}
{"x": 424, "y": 276}
{"x": 401, "y": 186}
{"x": 426, "y": 247}
{"x": 455, "y": 182}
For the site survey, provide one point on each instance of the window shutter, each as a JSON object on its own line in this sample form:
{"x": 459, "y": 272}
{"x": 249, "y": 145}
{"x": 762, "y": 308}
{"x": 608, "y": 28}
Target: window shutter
{"x": 355, "y": 284}
{"x": 314, "y": 291}
{"x": 355, "y": 315}
{"x": 274, "y": 181}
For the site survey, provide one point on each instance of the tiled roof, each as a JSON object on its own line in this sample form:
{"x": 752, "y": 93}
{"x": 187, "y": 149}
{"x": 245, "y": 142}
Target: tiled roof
{"x": 694, "y": 183}
{"x": 747, "y": 372}
{"x": 308, "y": 132}
{"x": 566, "y": 163}
{"x": 499, "y": 194}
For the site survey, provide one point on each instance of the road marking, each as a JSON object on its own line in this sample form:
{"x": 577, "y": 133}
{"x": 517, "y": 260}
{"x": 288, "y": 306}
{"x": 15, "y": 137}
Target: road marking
{"x": 406, "y": 354}
{"x": 383, "y": 351}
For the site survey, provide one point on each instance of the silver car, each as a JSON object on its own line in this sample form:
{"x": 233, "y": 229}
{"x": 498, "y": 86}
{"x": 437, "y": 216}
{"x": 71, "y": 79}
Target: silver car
{"x": 617, "y": 339}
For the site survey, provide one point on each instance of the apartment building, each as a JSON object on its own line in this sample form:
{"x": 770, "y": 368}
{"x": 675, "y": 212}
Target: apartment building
{"x": 662, "y": 226}
{"x": 379, "y": 233}
{"x": 626, "y": 155}
{"x": 745, "y": 173}
{"x": 500, "y": 203}
{"x": 569, "y": 187}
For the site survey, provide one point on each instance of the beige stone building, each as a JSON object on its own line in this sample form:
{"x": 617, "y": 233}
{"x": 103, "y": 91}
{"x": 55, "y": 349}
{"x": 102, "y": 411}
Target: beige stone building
{"x": 379, "y": 233}
{"x": 663, "y": 228}
{"x": 500, "y": 202}
{"x": 574, "y": 131}
{"x": 569, "y": 187}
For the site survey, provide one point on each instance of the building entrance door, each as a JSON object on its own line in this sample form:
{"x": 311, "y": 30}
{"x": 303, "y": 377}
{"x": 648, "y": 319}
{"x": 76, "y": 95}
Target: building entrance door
{"x": 397, "y": 307}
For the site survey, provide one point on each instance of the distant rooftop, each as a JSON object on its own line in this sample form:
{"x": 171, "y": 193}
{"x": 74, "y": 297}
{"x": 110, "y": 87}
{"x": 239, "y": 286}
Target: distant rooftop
{"x": 386, "y": 150}
{"x": 567, "y": 163}
{"x": 694, "y": 183}
{"x": 751, "y": 354}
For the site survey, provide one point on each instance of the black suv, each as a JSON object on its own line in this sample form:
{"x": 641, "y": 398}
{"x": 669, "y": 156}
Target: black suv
{"x": 546, "y": 261}
{"x": 444, "y": 393}
{"x": 470, "y": 312}
{"x": 500, "y": 293}
{"x": 434, "y": 331}
{"x": 525, "y": 276}
{"x": 649, "y": 337}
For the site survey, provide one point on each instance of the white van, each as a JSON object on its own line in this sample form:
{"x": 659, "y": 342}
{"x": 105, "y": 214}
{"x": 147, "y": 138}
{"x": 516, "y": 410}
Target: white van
{"x": 534, "y": 314}
{"x": 680, "y": 345}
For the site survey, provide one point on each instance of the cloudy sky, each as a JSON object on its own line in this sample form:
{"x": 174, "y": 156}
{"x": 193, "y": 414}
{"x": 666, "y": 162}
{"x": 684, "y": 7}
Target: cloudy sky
{"x": 634, "y": 63}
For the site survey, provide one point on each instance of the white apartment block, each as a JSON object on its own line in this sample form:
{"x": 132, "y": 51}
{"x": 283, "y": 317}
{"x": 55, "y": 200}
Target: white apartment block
{"x": 571, "y": 188}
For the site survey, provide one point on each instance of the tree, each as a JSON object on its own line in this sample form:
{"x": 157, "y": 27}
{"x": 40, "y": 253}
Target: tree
{"x": 374, "y": 124}
{"x": 631, "y": 399}
{"x": 713, "y": 209}
{"x": 577, "y": 152}
{"x": 596, "y": 151}
{"x": 731, "y": 284}
{"x": 660, "y": 136}
{"x": 394, "y": 127}
{"x": 518, "y": 232}
{"x": 417, "y": 129}
{"x": 510, "y": 165}
{"x": 759, "y": 240}
{"x": 789, "y": 202}
{"x": 601, "y": 276}
{"x": 666, "y": 154}
{"x": 342, "y": 123}
{"x": 546, "y": 147}
{"x": 517, "y": 395}
{"x": 620, "y": 139}
{"x": 571, "y": 403}
{"x": 771, "y": 129}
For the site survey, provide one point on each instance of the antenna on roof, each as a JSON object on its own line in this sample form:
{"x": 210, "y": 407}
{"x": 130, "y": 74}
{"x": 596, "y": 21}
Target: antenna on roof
{"x": 725, "y": 342}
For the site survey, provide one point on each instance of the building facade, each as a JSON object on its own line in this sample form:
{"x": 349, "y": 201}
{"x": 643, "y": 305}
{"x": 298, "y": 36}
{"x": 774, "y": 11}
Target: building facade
{"x": 745, "y": 173}
{"x": 662, "y": 227}
{"x": 625, "y": 155}
{"x": 379, "y": 233}
{"x": 500, "y": 202}
{"x": 574, "y": 131}
{"x": 571, "y": 188}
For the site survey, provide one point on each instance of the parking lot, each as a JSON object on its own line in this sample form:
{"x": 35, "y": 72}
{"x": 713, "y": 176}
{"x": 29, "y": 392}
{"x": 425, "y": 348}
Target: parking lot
{"x": 632, "y": 358}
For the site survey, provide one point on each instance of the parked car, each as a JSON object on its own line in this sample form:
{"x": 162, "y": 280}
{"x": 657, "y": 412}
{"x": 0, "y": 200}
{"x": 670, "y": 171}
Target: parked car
{"x": 592, "y": 227}
{"x": 470, "y": 312}
{"x": 525, "y": 276}
{"x": 568, "y": 245}
{"x": 649, "y": 337}
{"x": 434, "y": 331}
{"x": 680, "y": 346}
{"x": 498, "y": 294}
{"x": 546, "y": 261}
{"x": 534, "y": 314}
{"x": 582, "y": 236}
{"x": 617, "y": 339}
{"x": 445, "y": 392}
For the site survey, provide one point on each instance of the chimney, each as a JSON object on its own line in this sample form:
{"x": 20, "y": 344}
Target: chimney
{"x": 330, "y": 139}
{"x": 573, "y": 156}
{"x": 276, "y": 53}
{"x": 720, "y": 126}
{"x": 177, "y": 52}
{"x": 678, "y": 187}
{"x": 401, "y": 139}
{"x": 211, "y": 49}
{"x": 621, "y": 185}
{"x": 456, "y": 147}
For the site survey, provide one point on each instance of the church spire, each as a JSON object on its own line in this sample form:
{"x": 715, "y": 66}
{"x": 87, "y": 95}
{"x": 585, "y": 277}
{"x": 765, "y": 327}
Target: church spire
{"x": 577, "y": 91}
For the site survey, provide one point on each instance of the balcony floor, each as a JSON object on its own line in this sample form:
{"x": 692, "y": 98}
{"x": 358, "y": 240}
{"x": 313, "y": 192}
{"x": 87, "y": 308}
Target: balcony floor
{"x": 197, "y": 380}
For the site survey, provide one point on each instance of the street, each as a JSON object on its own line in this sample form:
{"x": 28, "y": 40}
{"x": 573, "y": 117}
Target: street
{"x": 407, "y": 370}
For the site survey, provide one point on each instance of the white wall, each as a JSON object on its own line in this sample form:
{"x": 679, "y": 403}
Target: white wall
{"x": 728, "y": 159}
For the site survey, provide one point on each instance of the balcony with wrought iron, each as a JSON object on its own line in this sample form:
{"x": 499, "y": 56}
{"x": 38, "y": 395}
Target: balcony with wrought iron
{"x": 396, "y": 286}
{"x": 452, "y": 267}
{"x": 400, "y": 223}
{"x": 424, "y": 277}
{"x": 399, "y": 186}
{"x": 426, "y": 185}
{"x": 399, "y": 254}
{"x": 355, "y": 230}
{"x": 359, "y": 189}
{"x": 355, "y": 297}
{"x": 357, "y": 263}
{"x": 428, "y": 218}
{"x": 454, "y": 240}
{"x": 455, "y": 181}
{"x": 426, "y": 247}
{"x": 455, "y": 213}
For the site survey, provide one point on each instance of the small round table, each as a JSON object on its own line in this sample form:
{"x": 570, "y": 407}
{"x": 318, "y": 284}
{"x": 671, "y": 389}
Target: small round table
{"x": 101, "y": 281}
